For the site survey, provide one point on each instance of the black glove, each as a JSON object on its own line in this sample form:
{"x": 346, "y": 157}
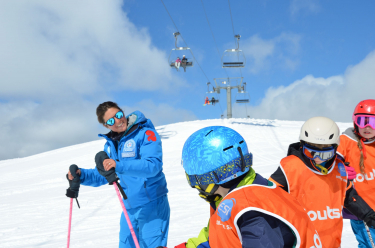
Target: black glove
{"x": 370, "y": 219}
{"x": 74, "y": 184}
{"x": 110, "y": 175}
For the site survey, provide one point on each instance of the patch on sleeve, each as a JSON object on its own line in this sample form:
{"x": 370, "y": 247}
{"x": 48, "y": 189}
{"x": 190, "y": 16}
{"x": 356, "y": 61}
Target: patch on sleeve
{"x": 225, "y": 209}
{"x": 150, "y": 135}
{"x": 341, "y": 168}
{"x": 129, "y": 149}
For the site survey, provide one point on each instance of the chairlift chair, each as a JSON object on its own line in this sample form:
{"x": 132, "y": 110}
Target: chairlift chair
{"x": 174, "y": 54}
{"x": 234, "y": 58}
{"x": 242, "y": 91}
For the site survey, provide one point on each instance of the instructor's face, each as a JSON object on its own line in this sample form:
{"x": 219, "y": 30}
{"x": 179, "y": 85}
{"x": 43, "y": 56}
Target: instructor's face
{"x": 120, "y": 124}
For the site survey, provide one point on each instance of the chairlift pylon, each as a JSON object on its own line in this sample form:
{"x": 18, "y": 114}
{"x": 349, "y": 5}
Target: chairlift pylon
{"x": 234, "y": 58}
{"x": 175, "y": 54}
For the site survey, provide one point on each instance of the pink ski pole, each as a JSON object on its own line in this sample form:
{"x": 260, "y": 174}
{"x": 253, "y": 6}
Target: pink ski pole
{"x": 70, "y": 220}
{"x": 126, "y": 216}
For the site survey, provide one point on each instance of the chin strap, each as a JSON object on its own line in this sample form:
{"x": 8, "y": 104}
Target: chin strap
{"x": 243, "y": 164}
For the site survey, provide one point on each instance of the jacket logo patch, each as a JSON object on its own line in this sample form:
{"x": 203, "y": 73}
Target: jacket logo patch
{"x": 129, "y": 149}
{"x": 342, "y": 170}
{"x": 150, "y": 135}
{"x": 225, "y": 209}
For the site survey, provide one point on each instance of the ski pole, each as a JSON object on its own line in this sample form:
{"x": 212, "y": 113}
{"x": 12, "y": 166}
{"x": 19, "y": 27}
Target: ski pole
{"x": 369, "y": 235}
{"x": 70, "y": 220}
{"x": 126, "y": 214}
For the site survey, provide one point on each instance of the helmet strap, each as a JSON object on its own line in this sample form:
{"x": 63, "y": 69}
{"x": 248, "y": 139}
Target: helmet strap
{"x": 243, "y": 164}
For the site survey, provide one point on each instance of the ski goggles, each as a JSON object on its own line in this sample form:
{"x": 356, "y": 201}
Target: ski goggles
{"x": 363, "y": 121}
{"x": 111, "y": 121}
{"x": 323, "y": 154}
{"x": 220, "y": 175}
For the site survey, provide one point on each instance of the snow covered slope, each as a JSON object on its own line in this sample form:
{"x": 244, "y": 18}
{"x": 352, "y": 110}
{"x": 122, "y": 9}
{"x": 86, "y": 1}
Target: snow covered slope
{"x": 34, "y": 209}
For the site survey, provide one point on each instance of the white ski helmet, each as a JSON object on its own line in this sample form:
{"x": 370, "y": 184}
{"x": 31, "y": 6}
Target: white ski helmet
{"x": 320, "y": 130}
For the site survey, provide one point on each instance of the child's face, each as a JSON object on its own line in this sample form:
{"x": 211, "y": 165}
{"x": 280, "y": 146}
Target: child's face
{"x": 367, "y": 132}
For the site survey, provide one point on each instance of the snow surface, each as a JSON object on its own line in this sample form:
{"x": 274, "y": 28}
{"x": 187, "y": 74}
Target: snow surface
{"x": 34, "y": 209}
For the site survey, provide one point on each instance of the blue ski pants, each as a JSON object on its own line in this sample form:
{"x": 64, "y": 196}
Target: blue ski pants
{"x": 150, "y": 223}
{"x": 361, "y": 235}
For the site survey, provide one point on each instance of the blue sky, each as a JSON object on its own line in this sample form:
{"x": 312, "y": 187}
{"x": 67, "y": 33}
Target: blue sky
{"x": 61, "y": 59}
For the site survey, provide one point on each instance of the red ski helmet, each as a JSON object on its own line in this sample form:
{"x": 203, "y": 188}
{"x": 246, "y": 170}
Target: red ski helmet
{"x": 366, "y": 107}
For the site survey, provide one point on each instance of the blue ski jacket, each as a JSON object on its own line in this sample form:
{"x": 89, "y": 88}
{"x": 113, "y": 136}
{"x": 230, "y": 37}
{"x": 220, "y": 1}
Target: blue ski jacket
{"x": 138, "y": 155}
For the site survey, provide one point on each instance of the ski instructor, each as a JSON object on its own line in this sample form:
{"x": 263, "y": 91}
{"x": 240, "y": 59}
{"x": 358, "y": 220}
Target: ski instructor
{"x": 134, "y": 149}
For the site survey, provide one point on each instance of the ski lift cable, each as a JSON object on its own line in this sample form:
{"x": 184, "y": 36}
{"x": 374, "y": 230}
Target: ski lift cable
{"x": 212, "y": 33}
{"x": 184, "y": 40}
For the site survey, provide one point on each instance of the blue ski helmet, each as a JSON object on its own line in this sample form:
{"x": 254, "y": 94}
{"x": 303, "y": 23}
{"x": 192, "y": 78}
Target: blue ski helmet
{"x": 216, "y": 155}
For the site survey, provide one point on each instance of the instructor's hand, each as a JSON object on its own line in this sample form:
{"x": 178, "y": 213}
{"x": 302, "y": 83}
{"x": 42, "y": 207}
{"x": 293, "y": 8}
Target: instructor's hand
{"x": 108, "y": 164}
{"x": 70, "y": 175}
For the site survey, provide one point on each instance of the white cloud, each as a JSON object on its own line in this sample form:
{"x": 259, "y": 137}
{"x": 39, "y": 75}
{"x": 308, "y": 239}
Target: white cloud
{"x": 60, "y": 59}
{"x": 309, "y": 6}
{"x": 28, "y": 128}
{"x": 262, "y": 54}
{"x": 334, "y": 97}
{"x": 58, "y": 48}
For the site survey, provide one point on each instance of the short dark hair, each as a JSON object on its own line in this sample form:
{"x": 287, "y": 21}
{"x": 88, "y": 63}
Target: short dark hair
{"x": 103, "y": 107}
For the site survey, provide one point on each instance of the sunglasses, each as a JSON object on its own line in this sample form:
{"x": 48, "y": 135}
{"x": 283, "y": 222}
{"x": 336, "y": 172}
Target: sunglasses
{"x": 363, "y": 121}
{"x": 111, "y": 121}
{"x": 323, "y": 154}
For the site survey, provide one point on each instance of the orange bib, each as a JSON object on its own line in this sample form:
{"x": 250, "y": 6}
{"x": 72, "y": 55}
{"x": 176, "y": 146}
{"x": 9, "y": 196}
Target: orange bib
{"x": 271, "y": 200}
{"x": 321, "y": 195}
{"x": 364, "y": 183}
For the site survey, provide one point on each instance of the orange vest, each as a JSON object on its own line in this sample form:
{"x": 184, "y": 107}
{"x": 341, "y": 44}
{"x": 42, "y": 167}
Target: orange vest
{"x": 364, "y": 184}
{"x": 271, "y": 200}
{"x": 321, "y": 195}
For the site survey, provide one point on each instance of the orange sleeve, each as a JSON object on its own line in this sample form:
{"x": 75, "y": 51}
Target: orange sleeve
{"x": 341, "y": 150}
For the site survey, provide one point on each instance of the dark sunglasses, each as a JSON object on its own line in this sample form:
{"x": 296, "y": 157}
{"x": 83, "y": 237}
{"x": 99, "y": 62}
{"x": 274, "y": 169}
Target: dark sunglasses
{"x": 111, "y": 121}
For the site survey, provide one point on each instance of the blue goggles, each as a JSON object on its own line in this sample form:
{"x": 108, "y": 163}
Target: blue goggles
{"x": 222, "y": 174}
{"x": 111, "y": 121}
{"x": 323, "y": 154}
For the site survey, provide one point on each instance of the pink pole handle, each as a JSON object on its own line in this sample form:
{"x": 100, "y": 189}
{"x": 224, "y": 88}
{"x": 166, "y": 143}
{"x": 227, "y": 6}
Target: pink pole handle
{"x": 127, "y": 217}
{"x": 70, "y": 220}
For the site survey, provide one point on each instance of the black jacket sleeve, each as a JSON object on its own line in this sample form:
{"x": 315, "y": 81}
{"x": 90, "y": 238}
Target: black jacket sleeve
{"x": 356, "y": 205}
{"x": 279, "y": 177}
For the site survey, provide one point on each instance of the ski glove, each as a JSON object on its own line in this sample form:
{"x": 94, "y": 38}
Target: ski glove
{"x": 110, "y": 175}
{"x": 370, "y": 219}
{"x": 74, "y": 184}
{"x": 351, "y": 172}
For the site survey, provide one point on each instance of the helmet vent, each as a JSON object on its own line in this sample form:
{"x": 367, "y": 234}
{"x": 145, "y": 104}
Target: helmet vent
{"x": 208, "y": 133}
{"x": 306, "y": 134}
{"x": 241, "y": 141}
{"x": 331, "y": 136}
{"x": 229, "y": 147}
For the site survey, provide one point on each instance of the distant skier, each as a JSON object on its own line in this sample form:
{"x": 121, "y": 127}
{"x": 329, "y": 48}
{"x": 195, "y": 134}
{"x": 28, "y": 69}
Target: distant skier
{"x": 184, "y": 62}
{"x": 206, "y": 101}
{"x": 247, "y": 210}
{"x": 134, "y": 149}
{"x": 317, "y": 178}
{"x": 177, "y": 63}
{"x": 357, "y": 146}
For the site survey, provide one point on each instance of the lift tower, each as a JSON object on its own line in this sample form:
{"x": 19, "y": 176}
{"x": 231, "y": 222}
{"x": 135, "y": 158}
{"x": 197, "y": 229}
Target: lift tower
{"x": 228, "y": 84}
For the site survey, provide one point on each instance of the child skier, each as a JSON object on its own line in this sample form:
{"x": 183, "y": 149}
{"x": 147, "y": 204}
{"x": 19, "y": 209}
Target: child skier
{"x": 247, "y": 210}
{"x": 357, "y": 146}
{"x": 314, "y": 175}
